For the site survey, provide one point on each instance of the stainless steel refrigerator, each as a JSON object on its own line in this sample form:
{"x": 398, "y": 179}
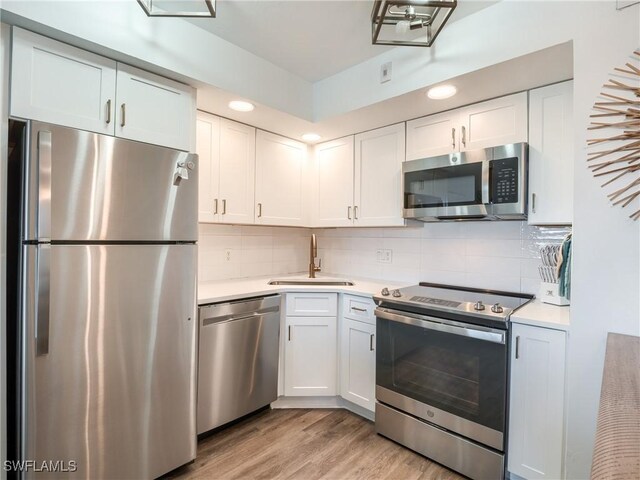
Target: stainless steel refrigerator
{"x": 103, "y": 275}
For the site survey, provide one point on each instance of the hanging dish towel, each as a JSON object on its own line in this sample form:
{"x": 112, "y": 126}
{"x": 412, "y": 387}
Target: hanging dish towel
{"x": 564, "y": 279}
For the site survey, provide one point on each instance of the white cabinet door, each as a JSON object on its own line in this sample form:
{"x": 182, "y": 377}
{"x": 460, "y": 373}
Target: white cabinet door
{"x": 551, "y": 155}
{"x": 537, "y": 402}
{"x": 310, "y": 356}
{"x": 434, "y": 135}
{"x": 280, "y": 180}
{"x": 378, "y": 177}
{"x": 207, "y": 148}
{"x": 56, "y": 83}
{"x": 155, "y": 110}
{"x": 237, "y": 172}
{"x": 358, "y": 363}
{"x": 494, "y": 122}
{"x": 334, "y": 170}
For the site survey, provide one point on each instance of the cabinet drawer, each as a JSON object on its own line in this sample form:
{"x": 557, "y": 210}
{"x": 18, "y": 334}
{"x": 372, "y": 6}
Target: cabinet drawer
{"x": 359, "y": 308}
{"x": 312, "y": 304}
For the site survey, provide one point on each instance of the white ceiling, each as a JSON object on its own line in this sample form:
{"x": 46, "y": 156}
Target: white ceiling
{"x": 312, "y": 39}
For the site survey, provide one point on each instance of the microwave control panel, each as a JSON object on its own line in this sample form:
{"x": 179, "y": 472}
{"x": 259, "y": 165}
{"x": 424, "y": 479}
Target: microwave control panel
{"x": 504, "y": 180}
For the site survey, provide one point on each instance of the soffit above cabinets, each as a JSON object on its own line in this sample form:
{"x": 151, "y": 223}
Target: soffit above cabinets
{"x": 537, "y": 69}
{"x": 312, "y": 39}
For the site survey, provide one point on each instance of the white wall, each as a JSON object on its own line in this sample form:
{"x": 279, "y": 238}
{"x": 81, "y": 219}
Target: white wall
{"x": 496, "y": 255}
{"x": 253, "y": 251}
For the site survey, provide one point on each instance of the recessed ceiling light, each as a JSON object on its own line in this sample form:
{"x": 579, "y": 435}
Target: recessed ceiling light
{"x": 441, "y": 92}
{"x": 311, "y": 137}
{"x": 241, "y": 106}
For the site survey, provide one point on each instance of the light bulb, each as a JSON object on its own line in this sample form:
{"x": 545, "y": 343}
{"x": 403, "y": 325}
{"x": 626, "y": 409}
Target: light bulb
{"x": 402, "y": 27}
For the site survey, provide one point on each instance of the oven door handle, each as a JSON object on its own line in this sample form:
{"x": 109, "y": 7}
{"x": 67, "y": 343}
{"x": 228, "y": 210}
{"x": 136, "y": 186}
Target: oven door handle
{"x": 432, "y": 323}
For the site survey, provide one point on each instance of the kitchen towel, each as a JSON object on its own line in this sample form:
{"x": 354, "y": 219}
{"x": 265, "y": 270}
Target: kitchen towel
{"x": 565, "y": 269}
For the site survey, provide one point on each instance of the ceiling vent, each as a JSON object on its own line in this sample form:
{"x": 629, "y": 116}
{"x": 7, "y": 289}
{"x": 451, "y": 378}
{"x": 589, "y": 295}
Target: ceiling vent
{"x": 179, "y": 8}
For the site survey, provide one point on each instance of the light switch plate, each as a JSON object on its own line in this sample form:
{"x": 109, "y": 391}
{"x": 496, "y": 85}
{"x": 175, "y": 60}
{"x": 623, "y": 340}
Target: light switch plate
{"x": 384, "y": 255}
{"x": 385, "y": 72}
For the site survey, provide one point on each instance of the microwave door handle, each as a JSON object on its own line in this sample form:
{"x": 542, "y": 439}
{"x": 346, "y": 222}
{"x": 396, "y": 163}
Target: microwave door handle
{"x": 485, "y": 183}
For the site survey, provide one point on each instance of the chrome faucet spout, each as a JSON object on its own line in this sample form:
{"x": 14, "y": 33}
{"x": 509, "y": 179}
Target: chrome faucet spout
{"x": 313, "y": 253}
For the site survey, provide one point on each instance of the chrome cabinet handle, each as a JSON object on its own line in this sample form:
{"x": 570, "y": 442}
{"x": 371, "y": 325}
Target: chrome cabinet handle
{"x": 517, "y": 347}
{"x": 453, "y": 138}
{"x": 259, "y": 210}
{"x": 464, "y": 135}
{"x": 358, "y": 309}
{"x": 123, "y": 111}
{"x": 108, "y": 111}
{"x": 371, "y": 342}
{"x": 349, "y": 212}
{"x": 215, "y": 208}
{"x": 289, "y": 332}
{"x": 355, "y": 212}
{"x": 224, "y": 206}
{"x": 43, "y": 254}
{"x": 533, "y": 203}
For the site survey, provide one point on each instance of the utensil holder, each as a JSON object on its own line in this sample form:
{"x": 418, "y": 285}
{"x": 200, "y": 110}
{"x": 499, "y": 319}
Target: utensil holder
{"x": 549, "y": 293}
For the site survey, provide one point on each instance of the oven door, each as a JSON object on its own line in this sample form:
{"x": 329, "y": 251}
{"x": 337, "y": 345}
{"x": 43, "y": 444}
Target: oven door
{"x": 447, "y": 373}
{"x": 447, "y": 187}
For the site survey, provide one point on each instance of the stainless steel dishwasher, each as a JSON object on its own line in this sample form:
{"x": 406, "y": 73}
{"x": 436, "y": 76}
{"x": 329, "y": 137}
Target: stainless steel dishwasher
{"x": 238, "y": 359}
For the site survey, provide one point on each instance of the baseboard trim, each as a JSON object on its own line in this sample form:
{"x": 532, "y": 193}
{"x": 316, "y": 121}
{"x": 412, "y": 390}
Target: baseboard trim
{"x": 323, "y": 402}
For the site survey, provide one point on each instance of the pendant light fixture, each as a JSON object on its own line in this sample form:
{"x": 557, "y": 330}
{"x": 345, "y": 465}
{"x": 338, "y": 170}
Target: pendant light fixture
{"x": 179, "y": 8}
{"x": 414, "y": 23}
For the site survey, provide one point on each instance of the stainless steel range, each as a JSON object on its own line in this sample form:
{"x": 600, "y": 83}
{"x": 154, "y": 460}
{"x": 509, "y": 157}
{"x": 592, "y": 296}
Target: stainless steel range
{"x": 441, "y": 373}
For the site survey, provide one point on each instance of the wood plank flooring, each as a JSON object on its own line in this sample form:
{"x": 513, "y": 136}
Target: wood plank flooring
{"x": 307, "y": 445}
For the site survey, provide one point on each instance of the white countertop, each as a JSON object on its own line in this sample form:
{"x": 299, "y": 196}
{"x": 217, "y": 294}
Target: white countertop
{"x": 541, "y": 314}
{"x": 222, "y": 291}
{"x": 534, "y": 313}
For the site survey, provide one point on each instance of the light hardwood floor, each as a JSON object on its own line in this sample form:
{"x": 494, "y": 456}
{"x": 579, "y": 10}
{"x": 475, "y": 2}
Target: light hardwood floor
{"x": 307, "y": 445}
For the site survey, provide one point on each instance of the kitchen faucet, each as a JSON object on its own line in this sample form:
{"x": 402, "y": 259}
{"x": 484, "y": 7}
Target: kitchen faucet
{"x": 313, "y": 253}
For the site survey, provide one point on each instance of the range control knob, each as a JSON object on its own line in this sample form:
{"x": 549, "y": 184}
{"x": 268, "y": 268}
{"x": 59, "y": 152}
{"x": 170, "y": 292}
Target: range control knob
{"x": 385, "y": 292}
{"x": 497, "y": 308}
{"x": 479, "y": 306}
{"x": 396, "y": 293}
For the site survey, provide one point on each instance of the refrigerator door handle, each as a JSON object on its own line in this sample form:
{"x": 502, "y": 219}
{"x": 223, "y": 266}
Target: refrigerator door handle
{"x": 42, "y": 297}
{"x": 44, "y": 185}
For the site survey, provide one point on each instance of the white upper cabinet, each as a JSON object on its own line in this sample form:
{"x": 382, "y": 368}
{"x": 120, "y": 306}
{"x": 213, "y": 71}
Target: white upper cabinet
{"x": 488, "y": 124}
{"x": 226, "y": 152}
{"x": 536, "y": 412}
{"x": 154, "y": 109}
{"x": 281, "y": 186}
{"x": 237, "y": 172}
{"x": 378, "y": 177}
{"x": 334, "y": 176}
{"x": 56, "y": 83}
{"x": 433, "y": 135}
{"x": 551, "y": 155}
{"x": 208, "y": 150}
{"x": 495, "y": 122}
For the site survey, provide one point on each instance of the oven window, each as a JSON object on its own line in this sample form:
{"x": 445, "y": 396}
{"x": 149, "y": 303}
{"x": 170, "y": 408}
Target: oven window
{"x": 443, "y": 187}
{"x": 460, "y": 375}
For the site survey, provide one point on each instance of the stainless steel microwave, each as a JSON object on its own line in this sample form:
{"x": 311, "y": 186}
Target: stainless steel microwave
{"x": 487, "y": 184}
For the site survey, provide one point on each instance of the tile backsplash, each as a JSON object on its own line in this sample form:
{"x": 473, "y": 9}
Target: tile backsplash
{"x": 233, "y": 251}
{"x": 496, "y": 255}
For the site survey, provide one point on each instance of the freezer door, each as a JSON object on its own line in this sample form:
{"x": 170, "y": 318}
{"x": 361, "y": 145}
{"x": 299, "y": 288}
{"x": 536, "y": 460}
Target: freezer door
{"x": 85, "y": 186}
{"x": 110, "y": 374}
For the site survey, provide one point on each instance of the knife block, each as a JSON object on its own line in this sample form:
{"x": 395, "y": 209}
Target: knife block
{"x": 549, "y": 293}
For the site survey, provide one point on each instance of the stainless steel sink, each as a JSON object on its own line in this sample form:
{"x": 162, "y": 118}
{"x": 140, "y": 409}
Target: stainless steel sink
{"x": 312, "y": 281}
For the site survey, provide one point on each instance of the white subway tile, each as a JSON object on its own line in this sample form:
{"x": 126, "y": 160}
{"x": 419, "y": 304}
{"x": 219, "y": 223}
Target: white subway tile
{"x": 493, "y": 265}
{"x": 497, "y": 247}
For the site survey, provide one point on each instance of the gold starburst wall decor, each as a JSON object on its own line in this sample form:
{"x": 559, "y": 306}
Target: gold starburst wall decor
{"x": 619, "y": 116}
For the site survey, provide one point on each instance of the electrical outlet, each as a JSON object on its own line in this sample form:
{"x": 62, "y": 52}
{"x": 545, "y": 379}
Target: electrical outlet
{"x": 384, "y": 255}
{"x": 385, "y": 72}
{"x": 227, "y": 255}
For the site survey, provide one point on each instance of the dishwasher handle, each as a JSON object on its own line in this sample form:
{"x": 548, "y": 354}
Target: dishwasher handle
{"x": 234, "y": 318}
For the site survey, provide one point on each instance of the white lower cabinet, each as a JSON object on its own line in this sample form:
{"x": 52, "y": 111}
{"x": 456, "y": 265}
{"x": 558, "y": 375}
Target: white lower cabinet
{"x": 536, "y": 415}
{"x": 310, "y": 351}
{"x": 358, "y": 363}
